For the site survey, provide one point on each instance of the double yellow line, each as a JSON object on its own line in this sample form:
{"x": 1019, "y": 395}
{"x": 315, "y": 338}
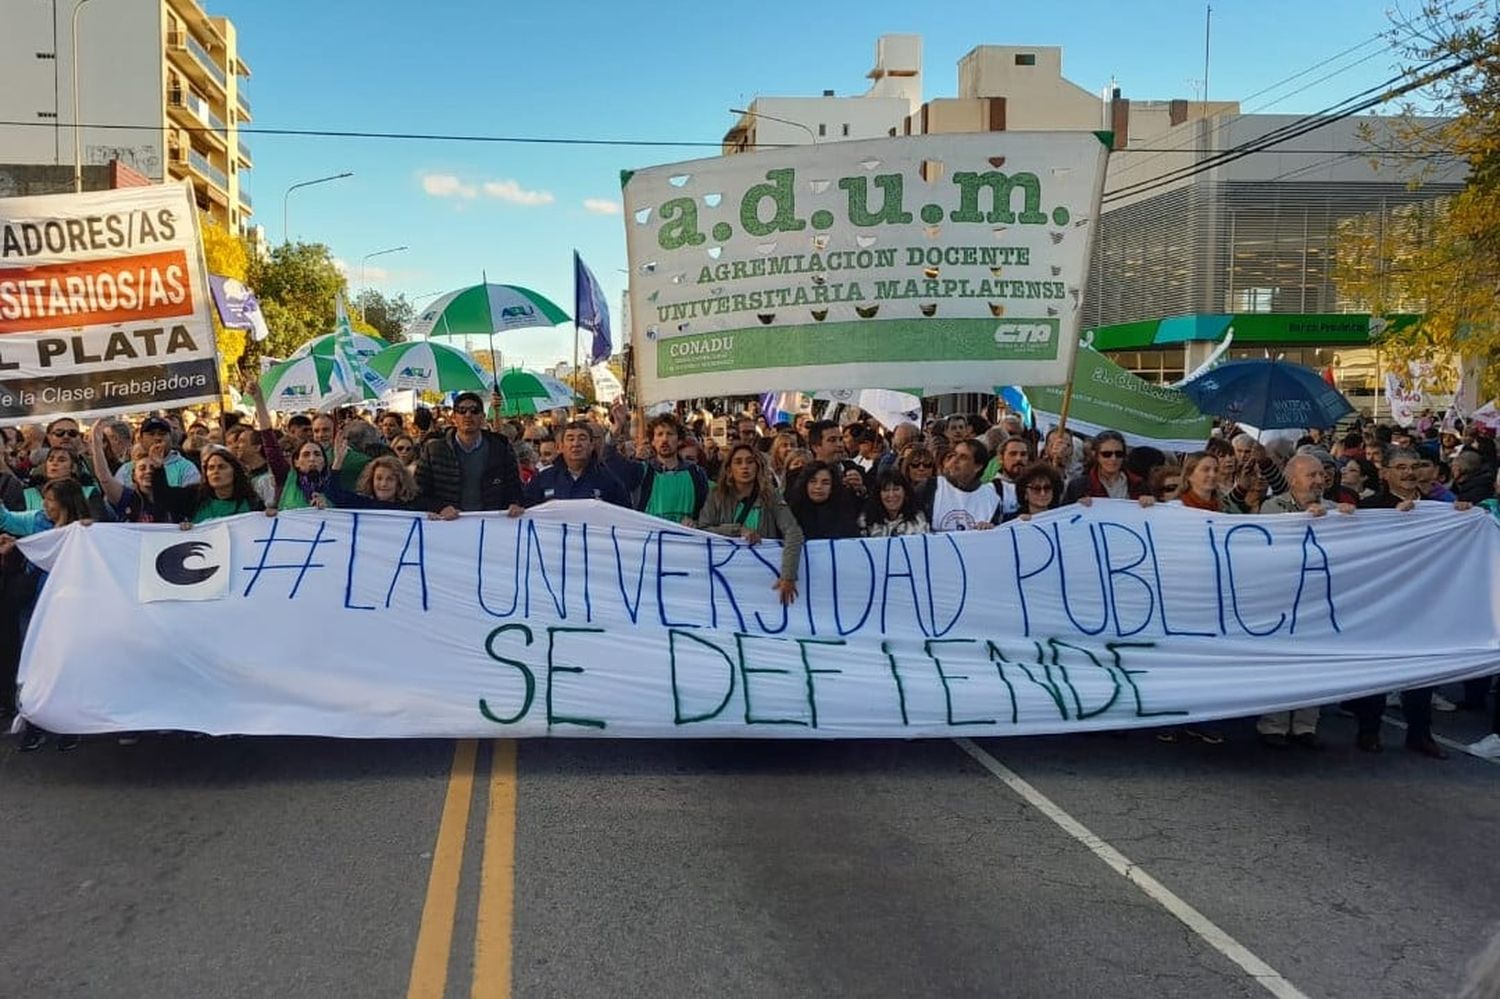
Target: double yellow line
{"x": 492, "y": 933}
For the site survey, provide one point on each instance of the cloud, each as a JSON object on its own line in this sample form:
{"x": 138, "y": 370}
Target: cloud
{"x": 445, "y": 185}
{"x": 509, "y": 190}
{"x": 601, "y": 206}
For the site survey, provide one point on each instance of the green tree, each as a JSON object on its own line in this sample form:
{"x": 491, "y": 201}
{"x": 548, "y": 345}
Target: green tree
{"x": 297, "y": 284}
{"x": 388, "y": 317}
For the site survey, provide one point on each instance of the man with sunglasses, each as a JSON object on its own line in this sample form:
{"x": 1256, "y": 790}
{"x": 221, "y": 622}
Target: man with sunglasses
{"x": 468, "y": 467}
{"x": 1106, "y": 477}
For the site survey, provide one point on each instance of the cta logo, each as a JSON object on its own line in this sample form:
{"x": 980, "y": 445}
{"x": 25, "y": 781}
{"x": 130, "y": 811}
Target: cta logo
{"x": 412, "y": 371}
{"x": 1011, "y": 334}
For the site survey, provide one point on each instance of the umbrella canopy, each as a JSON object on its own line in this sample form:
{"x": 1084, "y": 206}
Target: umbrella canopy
{"x": 307, "y": 382}
{"x": 430, "y": 367}
{"x": 365, "y": 345}
{"x": 1268, "y": 394}
{"x": 546, "y": 391}
{"x": 483, "y": 309}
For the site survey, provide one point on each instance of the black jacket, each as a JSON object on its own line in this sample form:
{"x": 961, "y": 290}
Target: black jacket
{"x": 438, "y": 474}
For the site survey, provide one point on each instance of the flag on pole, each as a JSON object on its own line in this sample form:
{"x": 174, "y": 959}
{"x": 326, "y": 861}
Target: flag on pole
{"x": 238, "y": 307}
{"x": 590, "y": 309}
{"x": 353, "y": 368}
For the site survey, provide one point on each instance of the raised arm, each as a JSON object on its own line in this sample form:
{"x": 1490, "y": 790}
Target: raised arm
{"x": 113, "y": 488}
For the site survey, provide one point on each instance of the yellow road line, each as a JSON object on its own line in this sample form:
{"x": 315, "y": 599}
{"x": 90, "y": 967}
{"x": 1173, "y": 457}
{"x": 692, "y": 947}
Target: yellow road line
{"x": 492, "y": 934}
{"x": 429, "y": 965}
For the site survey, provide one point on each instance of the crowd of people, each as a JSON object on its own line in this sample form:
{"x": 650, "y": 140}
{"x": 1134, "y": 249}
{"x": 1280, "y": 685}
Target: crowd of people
{"x": 742, "y": 477}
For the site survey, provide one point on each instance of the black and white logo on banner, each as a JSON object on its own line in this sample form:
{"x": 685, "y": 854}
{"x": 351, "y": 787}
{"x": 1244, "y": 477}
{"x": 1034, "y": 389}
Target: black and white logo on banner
{"x": 180, "y": 565}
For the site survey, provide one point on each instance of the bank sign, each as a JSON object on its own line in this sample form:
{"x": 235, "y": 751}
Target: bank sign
{"x": 945, "y": 262}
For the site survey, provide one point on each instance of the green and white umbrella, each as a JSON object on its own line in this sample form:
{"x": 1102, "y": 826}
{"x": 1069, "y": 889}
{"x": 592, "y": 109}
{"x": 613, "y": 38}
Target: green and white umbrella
{"x": 365, "y": 345}
{"x": 528, "y": 392}
{"x": 483, "y": 310}
{"x": 430, "y": 367}
{"x": 307, "y": 382}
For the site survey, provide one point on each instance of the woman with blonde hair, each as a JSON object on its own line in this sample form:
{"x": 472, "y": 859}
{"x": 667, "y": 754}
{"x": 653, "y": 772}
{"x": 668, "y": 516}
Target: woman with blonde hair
{"x": 745, "y": 504}
{"x": 783, "y": 444}
{"x": 384, "y": 484}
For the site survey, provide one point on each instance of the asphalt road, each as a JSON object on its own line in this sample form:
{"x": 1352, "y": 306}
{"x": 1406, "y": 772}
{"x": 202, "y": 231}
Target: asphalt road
{"x": 315, "y": 868}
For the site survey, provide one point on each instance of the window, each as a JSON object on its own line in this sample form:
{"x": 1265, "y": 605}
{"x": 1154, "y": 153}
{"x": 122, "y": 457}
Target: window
{"x": 1025, "y": 58}
{"x": 846, "y": 130}
{"x": 1253, "y": 299}
{"x": 822, "y": 130}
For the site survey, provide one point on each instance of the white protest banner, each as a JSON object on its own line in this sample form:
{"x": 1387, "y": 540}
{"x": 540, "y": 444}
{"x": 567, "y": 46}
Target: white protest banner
{"x": 924, "y": 262}
{"x": 104, "y": 306}
{"x": 584, "y": 619}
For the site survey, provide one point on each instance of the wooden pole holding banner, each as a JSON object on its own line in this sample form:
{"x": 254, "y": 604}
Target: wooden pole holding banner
{"x": 1067, "y": 401}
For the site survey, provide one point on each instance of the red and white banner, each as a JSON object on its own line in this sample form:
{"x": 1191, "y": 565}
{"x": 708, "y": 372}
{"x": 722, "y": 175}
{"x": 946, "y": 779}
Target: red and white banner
{"x": 104, "y": 304}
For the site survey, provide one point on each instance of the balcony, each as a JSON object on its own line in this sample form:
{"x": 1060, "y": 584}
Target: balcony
{"x": 190, "y": 58}
{"x": 242, "y": 103}
{"x": 244, "y": 151}
{"x": 207, "y": 60}
{"x": 245, "y": 199}
{"x": 202, "y": 166}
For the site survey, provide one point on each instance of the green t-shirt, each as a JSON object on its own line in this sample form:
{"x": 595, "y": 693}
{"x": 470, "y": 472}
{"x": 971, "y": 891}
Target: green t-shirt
{"x": 216, "y": 509}
{"x": 748, "y": 521}
{"x": 672, "y": 495}
{"x": 354, "y": 464}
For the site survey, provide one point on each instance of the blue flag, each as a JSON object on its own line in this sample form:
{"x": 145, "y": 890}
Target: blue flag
{"x": 591, "y": 310}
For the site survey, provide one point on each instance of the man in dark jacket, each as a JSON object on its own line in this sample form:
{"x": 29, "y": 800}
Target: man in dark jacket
{"x": 468, "y": 468}
{"x": 576, "y": 474}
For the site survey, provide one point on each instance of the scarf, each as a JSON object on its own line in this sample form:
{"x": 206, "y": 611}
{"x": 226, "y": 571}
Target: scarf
{"x": 299, "y": 490}
{"x": 1192, "y": 499}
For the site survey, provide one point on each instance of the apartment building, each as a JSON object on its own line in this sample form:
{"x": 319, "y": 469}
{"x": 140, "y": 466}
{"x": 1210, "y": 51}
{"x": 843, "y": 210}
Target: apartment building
{"x": 161, "y": 90}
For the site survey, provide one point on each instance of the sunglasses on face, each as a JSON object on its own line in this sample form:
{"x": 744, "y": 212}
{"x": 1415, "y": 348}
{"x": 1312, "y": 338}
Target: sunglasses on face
{"x": 1111, "y": 454}
{"x": 64, "y": 433}
{"x": 1038, "y": 487}
{"x": 919, "y": 464}
{"x": 468, "y": 410}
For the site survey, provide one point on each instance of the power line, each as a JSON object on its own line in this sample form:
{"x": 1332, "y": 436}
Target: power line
{"x": 320, "y": 133}
{"x": 1302, "y": 126}
{"x": 1274, "y": 86}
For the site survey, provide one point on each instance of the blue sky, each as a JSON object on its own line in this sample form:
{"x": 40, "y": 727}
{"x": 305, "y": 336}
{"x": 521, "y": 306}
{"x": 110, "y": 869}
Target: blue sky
{"x": 664, "y": 71}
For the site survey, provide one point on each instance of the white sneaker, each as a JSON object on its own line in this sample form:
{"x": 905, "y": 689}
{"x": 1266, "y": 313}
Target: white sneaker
{"x": 1487, "y": 748}
{"x": 1441, "y": 703}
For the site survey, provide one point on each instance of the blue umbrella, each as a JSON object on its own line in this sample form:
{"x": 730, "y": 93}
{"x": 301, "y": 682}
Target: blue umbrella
{"x": 1268, "y": 394}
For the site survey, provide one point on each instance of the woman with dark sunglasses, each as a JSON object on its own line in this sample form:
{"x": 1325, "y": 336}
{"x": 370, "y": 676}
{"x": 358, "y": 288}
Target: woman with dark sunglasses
{"x": 1038, "y": 489}
{"x": 1106, "y": 476}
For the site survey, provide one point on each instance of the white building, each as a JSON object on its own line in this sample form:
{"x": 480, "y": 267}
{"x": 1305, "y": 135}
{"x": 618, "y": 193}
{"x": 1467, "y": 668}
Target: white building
{"x": 896, "y": 91}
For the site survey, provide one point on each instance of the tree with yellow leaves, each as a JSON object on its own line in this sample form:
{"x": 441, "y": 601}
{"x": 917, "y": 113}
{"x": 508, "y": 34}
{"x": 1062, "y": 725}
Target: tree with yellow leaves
{"x": 225, "y": 254}
{"x": 1441, "y": 259}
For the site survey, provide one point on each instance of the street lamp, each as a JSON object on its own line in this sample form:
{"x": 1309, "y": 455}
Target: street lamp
{"x": 785, "y": 121}
{"x": 285, "y": 229}
{"x": 362, "y": 261}
{"x": 77, "y": 131}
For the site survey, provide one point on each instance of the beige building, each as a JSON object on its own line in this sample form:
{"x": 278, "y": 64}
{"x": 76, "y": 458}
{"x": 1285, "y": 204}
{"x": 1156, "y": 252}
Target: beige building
{"x": 161, "y": 90}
